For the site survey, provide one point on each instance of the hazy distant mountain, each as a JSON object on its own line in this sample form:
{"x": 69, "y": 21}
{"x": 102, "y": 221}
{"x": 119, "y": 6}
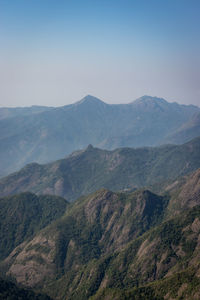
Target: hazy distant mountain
{"x": 9, "y": 112}
{"x": 117, "y": 246}
{"x": 52, "y": 133}
{"x": 85, "y": 171}
{"x": 187, "y": 131}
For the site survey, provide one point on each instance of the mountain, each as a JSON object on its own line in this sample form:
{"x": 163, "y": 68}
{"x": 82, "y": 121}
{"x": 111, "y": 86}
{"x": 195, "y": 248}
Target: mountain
{"x": 92, "y": 228}
{"x": 10, "y": 112}
{"x": 184, "y": 193}
{"x": 161, "y": 264}
{"x": 117, "y": 246}
{"x": 86, "y": 171}
{"x": 42, "y": 134}
{"x": 22, "y": 215}
{"x": 190, "y": 129}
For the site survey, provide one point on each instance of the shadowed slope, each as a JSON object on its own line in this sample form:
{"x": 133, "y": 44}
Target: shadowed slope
{"x": 23, "y": 215}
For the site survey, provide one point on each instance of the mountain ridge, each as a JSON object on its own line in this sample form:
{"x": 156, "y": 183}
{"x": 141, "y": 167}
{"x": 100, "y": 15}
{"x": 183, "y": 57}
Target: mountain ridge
{"x": 118, "y": 244}
{"x": 85, "y": 171}
{"x": 91, "y": 98}
{"x": 56, "y": 132}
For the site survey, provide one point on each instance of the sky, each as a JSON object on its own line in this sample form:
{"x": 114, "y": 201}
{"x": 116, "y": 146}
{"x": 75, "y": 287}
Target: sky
{"x": 55, "y": 52}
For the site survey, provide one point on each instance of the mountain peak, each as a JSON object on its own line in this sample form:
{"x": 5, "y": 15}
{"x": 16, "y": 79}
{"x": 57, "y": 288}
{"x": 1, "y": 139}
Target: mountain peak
{"x": 89, "y": 99}
{"x": 89, "y": 147}
{"x": 149, "y": 99}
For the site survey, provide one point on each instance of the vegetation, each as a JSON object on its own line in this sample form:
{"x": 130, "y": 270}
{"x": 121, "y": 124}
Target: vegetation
{"x": 9, "y": 291}
{"x": 181, "y": 285}
{"x": 117, "y": 246}
{"x": 23, "y": 215}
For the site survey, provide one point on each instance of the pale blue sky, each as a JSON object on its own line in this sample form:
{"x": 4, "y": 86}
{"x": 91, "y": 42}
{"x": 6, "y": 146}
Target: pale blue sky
{"x": 54, "y": 52}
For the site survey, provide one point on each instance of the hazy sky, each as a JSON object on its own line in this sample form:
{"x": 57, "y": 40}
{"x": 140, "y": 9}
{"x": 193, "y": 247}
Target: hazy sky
{"x": 54, "y": 52}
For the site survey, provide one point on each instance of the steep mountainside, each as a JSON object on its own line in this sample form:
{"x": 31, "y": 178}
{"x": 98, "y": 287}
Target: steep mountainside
{"x": 22, "y": 215}
{"x": 86, "y": 171}
{"x": 161, "y": 264}
{"x": 55, "y": 132}
{"x": 92, "y": 228}
{"x": 116, "y": 246}
{"x": 184, "y": 193}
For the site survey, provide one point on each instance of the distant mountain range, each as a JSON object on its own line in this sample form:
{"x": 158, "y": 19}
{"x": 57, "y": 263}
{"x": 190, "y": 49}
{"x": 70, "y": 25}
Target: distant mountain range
{"x": 118, "y": 246}
{"x": 85, "y": 171}
{"x": 43, "y": 134}
{"x": 10, "y": 112}
{"x": 187, "y": 131}
{"x": 132, "y": 229}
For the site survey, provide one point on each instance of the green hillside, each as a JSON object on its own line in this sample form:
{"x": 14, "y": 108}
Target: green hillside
{"x": 181, "y": 285}
{"x": 23, "y": 215}
{"x": 117, "y": 246}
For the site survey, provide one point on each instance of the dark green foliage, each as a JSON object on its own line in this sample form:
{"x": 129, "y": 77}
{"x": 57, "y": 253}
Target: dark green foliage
{"x": 23, "y": 215}
{"x": 119, "y": 246}
{"x": 84, "y": 235}
{"x": 78, "y": 239}
{"x": 121, "y": 278}
{"x": 9, "y": 291}
{"x": 168, "y": 288}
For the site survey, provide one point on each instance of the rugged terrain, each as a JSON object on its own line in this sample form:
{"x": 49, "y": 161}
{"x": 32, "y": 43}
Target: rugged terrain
{"x": 22, "y": 215}
{"x": 117, "y": 245}
{"x": 100, "y": 224}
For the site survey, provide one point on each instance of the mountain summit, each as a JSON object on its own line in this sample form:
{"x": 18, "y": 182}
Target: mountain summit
{"x": 89, "y": 99}
{"x": 147, "y": 98}
{"x": 52, "y": 134}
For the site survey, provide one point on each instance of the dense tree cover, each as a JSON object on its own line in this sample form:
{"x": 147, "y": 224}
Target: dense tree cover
{"x": 23, "y": 215}
{"x": 120, "y": 245}
{"x": 113, "y": 245}
{"x": 9, "y": 291}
